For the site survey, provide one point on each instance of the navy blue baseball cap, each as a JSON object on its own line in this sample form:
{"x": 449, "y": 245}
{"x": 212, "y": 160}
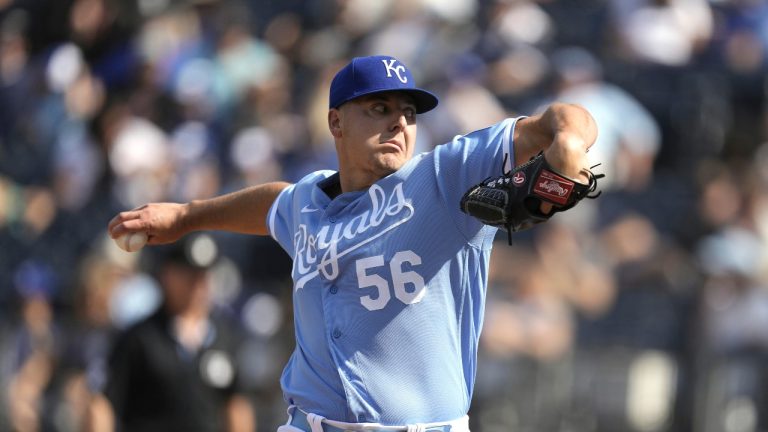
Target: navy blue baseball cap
{"x": 375, "y": 74}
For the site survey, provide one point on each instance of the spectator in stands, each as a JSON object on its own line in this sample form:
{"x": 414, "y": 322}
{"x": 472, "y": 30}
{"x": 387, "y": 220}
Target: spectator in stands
{"x": 177, "y": 369}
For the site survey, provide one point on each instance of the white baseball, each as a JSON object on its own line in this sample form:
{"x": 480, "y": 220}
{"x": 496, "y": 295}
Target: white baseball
{"x": 132, "y": 242}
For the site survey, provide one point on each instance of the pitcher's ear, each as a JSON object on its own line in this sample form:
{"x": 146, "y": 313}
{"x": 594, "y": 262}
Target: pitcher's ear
{"x": 334, "y": 122}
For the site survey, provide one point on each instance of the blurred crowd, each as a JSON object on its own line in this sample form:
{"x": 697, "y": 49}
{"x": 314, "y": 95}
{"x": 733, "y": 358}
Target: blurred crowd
{"x": 643, "y": 310}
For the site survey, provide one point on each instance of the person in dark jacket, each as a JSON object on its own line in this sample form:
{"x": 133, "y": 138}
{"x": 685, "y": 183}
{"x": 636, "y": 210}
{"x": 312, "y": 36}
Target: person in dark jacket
{"x": 177, "y": 368}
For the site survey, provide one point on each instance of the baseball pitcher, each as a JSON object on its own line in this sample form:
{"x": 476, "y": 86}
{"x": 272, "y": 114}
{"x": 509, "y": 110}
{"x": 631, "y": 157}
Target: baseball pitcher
{"x": 390, "y": 253}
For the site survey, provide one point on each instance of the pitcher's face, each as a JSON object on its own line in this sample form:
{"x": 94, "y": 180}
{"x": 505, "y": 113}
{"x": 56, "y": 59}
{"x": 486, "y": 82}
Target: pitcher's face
{"x": 376, "y": 134}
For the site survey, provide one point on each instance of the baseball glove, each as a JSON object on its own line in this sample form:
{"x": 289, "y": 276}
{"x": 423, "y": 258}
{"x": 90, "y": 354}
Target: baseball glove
{"x": 512, "y": 201}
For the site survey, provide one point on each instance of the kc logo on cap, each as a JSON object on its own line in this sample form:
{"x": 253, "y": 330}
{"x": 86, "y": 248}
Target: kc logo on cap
{"x": 400, "y": 68}
{"x": 374, "y": 74}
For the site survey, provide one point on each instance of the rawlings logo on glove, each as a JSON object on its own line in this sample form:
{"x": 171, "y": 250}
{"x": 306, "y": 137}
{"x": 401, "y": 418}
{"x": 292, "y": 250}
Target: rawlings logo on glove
{"x": 556, "y": 188}
{"x": 513, "y": 201}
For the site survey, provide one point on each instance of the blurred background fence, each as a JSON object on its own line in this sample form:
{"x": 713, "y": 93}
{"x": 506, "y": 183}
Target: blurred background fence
{"x": 644, "y": 310}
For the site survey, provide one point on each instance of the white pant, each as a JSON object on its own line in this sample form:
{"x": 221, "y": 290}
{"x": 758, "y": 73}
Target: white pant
{"x": 316, "y": 424}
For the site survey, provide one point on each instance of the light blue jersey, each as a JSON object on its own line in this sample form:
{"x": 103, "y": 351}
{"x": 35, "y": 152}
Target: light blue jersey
{"x": 390, "y": 286}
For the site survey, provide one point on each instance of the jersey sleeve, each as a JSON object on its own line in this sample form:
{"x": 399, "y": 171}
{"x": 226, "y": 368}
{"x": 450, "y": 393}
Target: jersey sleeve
{"x": 284, "y": 212}
{"x": 280, "y": 219}
{"x": 469, "y": 159}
